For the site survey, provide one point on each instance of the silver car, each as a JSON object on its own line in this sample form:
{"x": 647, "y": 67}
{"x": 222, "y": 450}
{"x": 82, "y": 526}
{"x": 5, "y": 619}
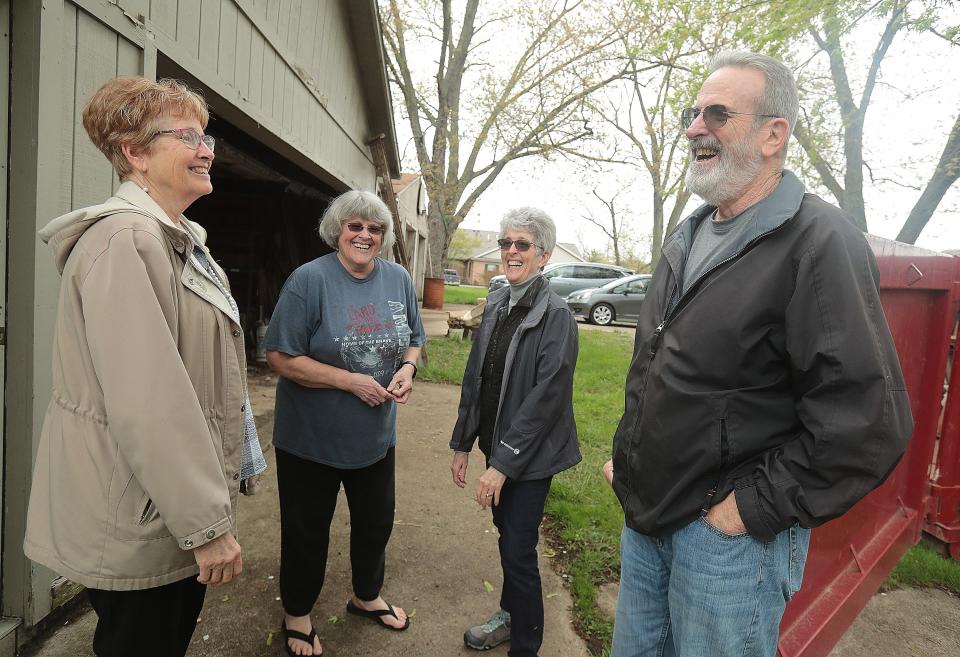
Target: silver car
{"x": 567, "y": 277}
{"x": 617, "y": 301}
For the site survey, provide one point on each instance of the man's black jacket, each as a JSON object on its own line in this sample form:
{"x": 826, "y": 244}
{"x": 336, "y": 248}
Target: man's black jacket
{"x": 773, "y": 375}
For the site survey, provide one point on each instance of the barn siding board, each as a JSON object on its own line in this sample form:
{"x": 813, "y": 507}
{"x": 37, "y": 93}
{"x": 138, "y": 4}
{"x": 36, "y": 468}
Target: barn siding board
{"x": 256, "y": 69}
{"x": 273, "y": 14}
{"x": 283, "y": 22}
{"x": 209, "y": 31}
{"x": 96, "y": 63}
{"x": 163, "y": 16}
{"x": 279, "y": 72}
{"x": 266, "y": 93}
{"x": 69, "y": 114}
{"x": 227, "y": 51}
{"x": 293, "y": 26}
{"x": 188, "y": 26}
{"x": 129, "y": 58}
{"x": 244, "y": 42}
{"x": 308, "y": 19}
{"x": 288, "y": 84}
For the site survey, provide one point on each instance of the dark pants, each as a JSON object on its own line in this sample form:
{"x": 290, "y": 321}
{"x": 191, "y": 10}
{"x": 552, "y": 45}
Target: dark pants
{"x": 517, "y": 518}
{"x": 308, "y": 498}
{"x": 155, "y": 622}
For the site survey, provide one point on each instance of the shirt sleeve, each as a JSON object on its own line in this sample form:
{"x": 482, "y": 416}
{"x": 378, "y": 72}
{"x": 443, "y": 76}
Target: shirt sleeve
{"x": 291, "y": 324}
{"x": 418, "y": 336}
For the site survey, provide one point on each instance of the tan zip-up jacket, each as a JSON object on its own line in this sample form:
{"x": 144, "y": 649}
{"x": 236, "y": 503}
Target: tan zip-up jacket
{"x": 139, "y": 457}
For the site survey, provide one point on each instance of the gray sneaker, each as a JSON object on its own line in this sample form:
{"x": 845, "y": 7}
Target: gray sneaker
{"x": 489, "y": 635}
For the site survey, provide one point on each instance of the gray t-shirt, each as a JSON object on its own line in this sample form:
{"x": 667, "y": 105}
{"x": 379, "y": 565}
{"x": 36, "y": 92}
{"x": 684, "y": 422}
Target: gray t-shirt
{"x": 358, "y": 324}
{"x": 710, "y": 246}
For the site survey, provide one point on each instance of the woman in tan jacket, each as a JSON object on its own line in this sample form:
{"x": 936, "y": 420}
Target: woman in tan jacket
{"x": 148, "y": 433}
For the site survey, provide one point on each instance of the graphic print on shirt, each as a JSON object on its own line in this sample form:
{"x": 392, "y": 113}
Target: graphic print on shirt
{"x": 374, "y": 342}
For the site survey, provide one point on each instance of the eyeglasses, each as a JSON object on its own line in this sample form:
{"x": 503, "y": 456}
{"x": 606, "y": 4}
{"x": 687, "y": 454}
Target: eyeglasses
{"x": 715, "y": 116}
{"x": 190, "y": 137}
{"x": 356, "y": 227}
{"x": 522, "y": 245}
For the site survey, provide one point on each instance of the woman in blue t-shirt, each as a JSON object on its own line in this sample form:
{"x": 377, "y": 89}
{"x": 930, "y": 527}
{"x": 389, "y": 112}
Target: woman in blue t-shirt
{"x": 344, "y": 338}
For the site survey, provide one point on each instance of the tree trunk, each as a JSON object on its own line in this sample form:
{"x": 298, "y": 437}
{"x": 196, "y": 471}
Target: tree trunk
{"x": 946, "y": 173}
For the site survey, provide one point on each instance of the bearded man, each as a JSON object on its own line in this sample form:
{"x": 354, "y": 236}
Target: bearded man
{"x": 764, "y": 397}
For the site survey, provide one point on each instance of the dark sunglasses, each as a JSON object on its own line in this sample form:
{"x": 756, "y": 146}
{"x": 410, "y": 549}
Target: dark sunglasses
{"x": 355, "y": 227}
{"x": 522, "y": 245}
{"x": 715, "y": 116}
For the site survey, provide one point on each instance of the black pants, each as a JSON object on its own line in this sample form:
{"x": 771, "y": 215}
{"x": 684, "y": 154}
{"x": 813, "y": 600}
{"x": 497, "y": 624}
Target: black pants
{"x": 155, "y": 622}
{"x": 308, "y": 498}
{"x": 517, "y": 518}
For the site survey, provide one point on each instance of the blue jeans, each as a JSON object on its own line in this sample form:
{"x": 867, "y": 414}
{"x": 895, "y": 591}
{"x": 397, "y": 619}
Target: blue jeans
{"x": 701, "y": 593}
{"x": 517, "y": 518}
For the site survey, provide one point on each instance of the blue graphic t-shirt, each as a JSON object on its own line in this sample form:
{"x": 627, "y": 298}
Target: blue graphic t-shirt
{"x": 357, "y": 324}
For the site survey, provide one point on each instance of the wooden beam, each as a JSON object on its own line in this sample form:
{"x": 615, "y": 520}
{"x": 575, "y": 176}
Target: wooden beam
{"x": 379, "y": 149}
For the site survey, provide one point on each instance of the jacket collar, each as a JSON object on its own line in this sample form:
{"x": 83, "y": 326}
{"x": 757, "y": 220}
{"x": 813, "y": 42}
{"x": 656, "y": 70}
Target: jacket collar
{"x": 765, "y": 216}
{"x": 134, "y": 194}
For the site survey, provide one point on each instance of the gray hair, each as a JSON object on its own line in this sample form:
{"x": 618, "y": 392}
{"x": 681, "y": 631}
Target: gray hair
{"x": 779, "y": 96}
{"x": 356, "y": 204}
{"x": 534, "y": 221}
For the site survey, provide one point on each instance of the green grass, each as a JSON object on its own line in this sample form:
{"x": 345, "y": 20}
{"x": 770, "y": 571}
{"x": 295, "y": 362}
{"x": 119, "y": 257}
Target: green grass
{"x": 923, "y": 566}
{"x": 584, "y": 513}
{"x": 463, "y": 293}
{"x": 446, "y": 360}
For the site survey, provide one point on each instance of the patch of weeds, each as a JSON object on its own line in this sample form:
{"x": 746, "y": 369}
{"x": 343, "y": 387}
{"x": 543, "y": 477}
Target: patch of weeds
{"x": 923, "y": 566}
{"x": 446, "y": 360}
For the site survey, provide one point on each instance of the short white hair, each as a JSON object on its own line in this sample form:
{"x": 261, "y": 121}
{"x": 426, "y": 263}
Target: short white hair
{"x": 356, "y": 204}
{"x": 534, "y": 221}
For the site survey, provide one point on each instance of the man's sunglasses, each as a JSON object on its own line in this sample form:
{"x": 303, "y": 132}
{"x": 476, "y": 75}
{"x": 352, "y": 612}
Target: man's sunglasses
{"x": 522, "y": 245}
{"x": 715, "y": 116}
{"x": 356, "y": 227}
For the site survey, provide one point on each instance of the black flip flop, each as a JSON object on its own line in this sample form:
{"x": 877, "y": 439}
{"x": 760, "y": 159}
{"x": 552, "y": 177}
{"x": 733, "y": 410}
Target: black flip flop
{"x": 299, "y": 636}
{"x": 377, "y": 615}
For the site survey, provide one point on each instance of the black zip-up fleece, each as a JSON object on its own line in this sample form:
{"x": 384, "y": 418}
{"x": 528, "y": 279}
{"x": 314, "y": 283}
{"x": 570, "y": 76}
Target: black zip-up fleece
{"x": 773, "y": 376}
{"x": 534, "y": 433}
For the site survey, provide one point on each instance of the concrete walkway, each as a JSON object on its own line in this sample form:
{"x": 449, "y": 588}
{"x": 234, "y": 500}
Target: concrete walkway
{"x": 441, "y": 562}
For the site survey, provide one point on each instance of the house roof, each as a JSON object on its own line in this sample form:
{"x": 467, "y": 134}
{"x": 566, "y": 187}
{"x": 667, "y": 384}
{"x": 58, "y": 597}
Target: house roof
{"x": 404, "y": 181}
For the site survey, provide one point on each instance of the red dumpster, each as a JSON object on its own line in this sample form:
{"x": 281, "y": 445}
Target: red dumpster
{"x": 851, "y": 556}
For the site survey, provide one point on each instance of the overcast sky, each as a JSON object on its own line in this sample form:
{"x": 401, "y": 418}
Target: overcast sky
{"x": 913, "y": 106}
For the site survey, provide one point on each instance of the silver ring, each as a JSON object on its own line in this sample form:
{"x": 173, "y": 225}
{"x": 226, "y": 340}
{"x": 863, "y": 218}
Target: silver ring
{"x": 489, "y": 494}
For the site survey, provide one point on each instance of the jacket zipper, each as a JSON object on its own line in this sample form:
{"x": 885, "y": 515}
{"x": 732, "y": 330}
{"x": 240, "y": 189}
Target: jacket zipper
{"x": 724, "y": 457}
{"x": 669, "y": 316}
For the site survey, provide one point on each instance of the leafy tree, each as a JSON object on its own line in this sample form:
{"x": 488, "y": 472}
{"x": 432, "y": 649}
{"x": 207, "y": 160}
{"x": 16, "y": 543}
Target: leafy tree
{"x": 463, "y": 245}
{"x": 492, "y": 101}
{"x": 831, "y": 131}
{"x": 666, "y": 65}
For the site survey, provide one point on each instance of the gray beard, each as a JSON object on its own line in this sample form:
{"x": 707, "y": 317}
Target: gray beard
{"x": 735, "y": 169}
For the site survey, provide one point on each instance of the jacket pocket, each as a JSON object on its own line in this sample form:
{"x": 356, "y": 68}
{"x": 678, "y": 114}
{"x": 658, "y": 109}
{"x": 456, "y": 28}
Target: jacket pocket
{"x": 137, "y": 517}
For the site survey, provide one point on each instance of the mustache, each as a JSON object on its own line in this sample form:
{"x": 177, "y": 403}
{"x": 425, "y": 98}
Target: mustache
{"x": 704, "y": 141}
